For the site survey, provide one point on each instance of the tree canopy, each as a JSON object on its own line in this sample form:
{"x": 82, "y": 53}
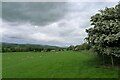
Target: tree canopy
{"x": 105, "y": 35}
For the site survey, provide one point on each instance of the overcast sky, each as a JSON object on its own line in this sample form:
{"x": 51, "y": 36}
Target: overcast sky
{"x": 48, "y": 23}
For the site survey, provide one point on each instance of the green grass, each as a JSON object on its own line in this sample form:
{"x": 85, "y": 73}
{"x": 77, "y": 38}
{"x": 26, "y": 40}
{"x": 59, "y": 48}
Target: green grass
{"x": 0, "y": 65}
{"x": 66, "y": 64}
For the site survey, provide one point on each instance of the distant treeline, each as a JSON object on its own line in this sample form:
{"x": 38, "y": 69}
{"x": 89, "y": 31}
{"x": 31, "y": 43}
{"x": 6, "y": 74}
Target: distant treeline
{"x": 10, "y": 47}
{"x": 84, "y": 46}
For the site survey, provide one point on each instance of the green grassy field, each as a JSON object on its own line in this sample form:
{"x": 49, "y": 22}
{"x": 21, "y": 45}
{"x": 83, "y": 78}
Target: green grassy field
{"x": 0, "y": 65}
{"x": 66, "y": 64}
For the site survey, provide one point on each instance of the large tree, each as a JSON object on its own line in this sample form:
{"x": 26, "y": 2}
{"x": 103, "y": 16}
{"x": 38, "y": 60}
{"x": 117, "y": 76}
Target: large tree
{"x": 104, "y": 37}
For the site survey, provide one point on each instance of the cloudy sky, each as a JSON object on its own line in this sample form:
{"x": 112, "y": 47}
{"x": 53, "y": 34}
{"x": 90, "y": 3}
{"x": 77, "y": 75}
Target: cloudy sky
{"x": 48, "y": 23}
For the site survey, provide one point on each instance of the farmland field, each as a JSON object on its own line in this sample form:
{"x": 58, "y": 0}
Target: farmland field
{"x": 64, "y": 64}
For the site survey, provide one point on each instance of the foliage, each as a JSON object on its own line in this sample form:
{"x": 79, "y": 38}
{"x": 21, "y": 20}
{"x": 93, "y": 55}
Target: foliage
{"x": 104, "y": 37}
{"x": 71, "y": 47}
{"x": 84, "y": 46}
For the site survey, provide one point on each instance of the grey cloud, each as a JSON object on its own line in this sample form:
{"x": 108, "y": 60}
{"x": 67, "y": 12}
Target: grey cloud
{"x": 0, "y": 9}
{"x": 38, "y": 13}
{"x": 65, "y": 28}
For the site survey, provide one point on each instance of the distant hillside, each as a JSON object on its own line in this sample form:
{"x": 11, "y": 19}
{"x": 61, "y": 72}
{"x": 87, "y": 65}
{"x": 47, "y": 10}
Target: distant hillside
{"x": 12, "y": 47}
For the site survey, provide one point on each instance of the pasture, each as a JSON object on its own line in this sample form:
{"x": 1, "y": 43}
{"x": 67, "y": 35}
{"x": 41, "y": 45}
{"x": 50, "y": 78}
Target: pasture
{"x": 64, "y": 64}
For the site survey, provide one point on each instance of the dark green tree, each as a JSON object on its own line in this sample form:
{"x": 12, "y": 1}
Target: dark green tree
{"x": 71, "y": 47}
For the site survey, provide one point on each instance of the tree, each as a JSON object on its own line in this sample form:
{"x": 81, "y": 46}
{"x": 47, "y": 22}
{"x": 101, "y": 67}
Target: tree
{"x": 84, "y": 46}
{"x": 71, "y": 47}
{"x": 104, "y": 37}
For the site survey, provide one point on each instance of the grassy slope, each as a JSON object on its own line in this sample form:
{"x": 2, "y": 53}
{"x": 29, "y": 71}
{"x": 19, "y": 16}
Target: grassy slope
{"x": 67, "y": 64}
